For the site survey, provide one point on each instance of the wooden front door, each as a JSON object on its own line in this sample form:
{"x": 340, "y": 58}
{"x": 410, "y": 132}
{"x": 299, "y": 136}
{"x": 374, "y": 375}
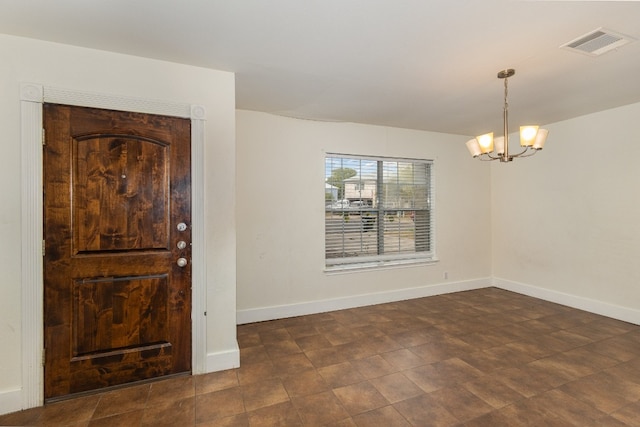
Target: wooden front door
{"x": 117, "y": 248}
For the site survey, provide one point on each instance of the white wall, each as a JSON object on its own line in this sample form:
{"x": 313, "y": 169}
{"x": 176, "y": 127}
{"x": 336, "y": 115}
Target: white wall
{"x": 280, "y": 216}
{"x": 78, "y": 69}
{"x": 567, "y": 221}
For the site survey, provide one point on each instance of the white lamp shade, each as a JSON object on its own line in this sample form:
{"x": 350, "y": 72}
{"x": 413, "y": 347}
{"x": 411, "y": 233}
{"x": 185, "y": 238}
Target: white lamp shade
{"x": 528, "y": 135}
{"x": 541, "y": 137}
{"x": 474, "y": 147}
{"x": 486, "y": 142}
{"x": 498, "y": 144}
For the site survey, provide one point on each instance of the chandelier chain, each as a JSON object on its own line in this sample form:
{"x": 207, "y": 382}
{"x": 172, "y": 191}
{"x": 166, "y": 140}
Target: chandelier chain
{"x": 506, "y": 93}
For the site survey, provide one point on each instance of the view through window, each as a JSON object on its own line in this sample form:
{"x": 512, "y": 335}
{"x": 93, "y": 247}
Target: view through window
{"x": 377, "y": 210}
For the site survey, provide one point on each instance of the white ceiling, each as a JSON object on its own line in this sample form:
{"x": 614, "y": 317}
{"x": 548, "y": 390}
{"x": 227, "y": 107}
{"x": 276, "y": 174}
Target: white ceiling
{"x": 420, "y": 64}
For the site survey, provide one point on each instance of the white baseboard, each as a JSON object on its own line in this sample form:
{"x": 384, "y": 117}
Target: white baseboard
{"x": 300, "y": 309}
{"x": 223, "y": 360}
{"x": 10, "y": 401}
{"x": 313, "y": 307}
{"x": 593, "y": 306}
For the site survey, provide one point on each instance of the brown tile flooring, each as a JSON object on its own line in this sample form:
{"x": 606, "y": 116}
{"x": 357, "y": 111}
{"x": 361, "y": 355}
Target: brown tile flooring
{"x": 479, "y": 358}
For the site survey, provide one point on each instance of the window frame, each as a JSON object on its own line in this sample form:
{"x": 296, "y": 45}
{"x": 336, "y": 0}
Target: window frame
{"x": 393, "y": 258}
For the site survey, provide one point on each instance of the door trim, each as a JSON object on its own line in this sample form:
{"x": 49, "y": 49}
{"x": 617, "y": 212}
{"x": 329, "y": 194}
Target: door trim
{"x": 32, "y": 96}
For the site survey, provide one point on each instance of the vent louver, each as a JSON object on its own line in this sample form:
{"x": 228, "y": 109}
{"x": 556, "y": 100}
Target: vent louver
{"x": 597, "y": 42}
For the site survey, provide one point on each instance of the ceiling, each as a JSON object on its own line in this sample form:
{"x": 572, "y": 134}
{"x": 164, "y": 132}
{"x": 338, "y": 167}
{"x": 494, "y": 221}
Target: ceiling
{"x": 419, "y": 64}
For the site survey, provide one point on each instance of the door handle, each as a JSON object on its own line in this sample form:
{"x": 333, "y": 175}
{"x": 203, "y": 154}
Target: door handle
{"x": 182, "y": 262}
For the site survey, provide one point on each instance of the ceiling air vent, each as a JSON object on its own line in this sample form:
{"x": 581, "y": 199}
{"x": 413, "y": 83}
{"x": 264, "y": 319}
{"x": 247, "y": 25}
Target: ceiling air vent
{"x": 597, "y": 42}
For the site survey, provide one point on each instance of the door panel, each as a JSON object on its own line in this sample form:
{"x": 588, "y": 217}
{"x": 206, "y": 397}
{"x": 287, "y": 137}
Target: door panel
{"x": 120, "y": 194}
{"x": 117, "y": 304}
{"x": 118, "y": 313}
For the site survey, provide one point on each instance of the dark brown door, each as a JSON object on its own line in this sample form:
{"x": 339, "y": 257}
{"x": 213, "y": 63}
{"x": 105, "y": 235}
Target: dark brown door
{"x": 117, "y": 263}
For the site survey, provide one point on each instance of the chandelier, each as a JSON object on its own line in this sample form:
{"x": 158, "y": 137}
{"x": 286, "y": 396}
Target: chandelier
{"x": 486, "y": 148}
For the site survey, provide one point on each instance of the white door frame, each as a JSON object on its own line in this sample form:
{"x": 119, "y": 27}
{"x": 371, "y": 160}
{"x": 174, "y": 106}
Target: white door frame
{"x": 32, "y": 97}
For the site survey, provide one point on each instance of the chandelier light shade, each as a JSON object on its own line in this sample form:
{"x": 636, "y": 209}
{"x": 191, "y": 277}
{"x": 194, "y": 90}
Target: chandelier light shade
{"x": 487, "y": 148}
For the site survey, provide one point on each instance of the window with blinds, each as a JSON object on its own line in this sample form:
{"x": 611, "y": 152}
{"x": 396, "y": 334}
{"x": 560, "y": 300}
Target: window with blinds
{"x": 378, "y": 211}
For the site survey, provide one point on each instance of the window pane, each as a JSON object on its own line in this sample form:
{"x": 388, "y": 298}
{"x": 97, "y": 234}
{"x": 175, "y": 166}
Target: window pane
{"x": 377, "y": 209}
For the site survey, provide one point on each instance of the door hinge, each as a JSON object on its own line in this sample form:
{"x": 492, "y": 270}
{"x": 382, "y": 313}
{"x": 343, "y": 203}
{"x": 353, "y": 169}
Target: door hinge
{"x": 44, "y": 248}
{"x": 44, "y": 356}
{"x": 44, "y": 139}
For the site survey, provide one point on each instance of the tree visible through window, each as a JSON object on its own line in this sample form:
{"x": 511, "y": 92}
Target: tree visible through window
{"x": 377, "y": 210}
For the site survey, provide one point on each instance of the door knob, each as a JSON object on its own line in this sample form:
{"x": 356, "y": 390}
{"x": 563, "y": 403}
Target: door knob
{"x": 181, "y": 244}
{"x": 182, "y": 262}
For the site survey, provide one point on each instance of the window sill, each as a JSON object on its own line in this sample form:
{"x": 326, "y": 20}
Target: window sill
{"x": 379, "y": 265}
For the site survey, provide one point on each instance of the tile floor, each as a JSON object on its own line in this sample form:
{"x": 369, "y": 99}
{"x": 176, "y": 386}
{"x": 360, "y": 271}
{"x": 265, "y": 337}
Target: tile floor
{"x": 479, "y": 358}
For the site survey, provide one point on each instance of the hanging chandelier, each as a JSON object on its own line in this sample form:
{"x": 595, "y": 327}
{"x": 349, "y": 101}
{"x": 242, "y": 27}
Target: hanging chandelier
{"x": 486, "y": 148}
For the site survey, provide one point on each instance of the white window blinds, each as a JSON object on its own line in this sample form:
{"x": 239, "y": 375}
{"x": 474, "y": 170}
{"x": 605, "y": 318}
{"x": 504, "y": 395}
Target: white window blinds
{"x": 378, "y": 210}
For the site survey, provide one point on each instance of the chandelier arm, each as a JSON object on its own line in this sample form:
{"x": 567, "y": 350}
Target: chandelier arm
{"x": 520, "y": 153}
{"x": 530, "y": 153}
{"x": 489, "y": 157}
{"x": 524, "y": 152}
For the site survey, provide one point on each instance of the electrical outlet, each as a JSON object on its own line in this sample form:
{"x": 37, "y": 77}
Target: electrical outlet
{"x": 445, "y": 275}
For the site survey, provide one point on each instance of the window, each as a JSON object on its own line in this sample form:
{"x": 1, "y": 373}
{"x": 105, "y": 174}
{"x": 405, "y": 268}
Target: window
{"x": 378, "y": 211}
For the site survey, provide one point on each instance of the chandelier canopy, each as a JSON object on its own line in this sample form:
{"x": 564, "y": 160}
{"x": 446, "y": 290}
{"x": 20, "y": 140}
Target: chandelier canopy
{"x": 486, "y": 148}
